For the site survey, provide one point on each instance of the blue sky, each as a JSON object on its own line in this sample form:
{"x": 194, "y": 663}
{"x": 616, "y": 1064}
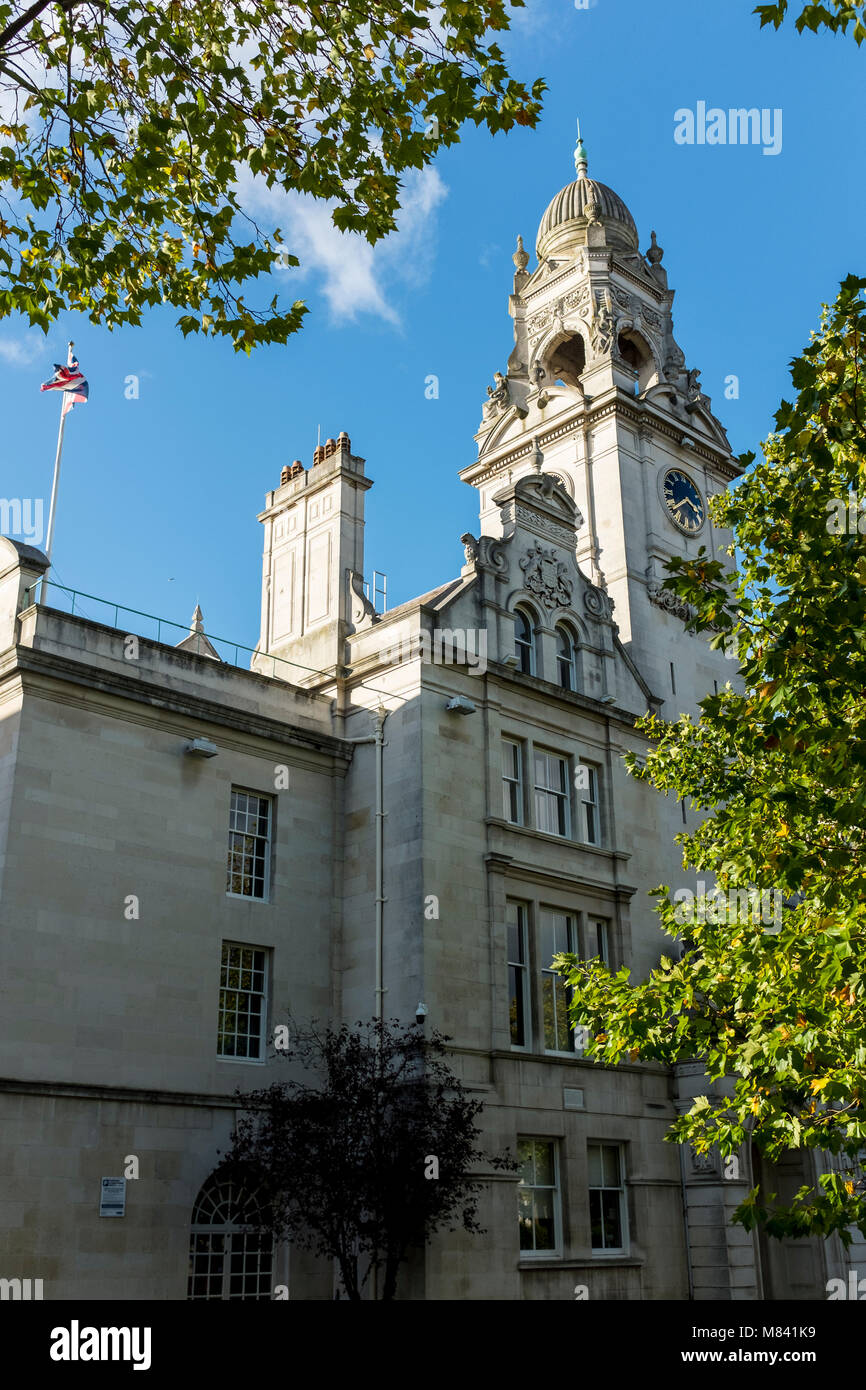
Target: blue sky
{"x": 159, "y": 495}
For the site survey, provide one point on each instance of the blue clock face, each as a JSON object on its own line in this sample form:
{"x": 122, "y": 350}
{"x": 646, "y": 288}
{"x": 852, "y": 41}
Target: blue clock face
{"x": 683, "y": 500}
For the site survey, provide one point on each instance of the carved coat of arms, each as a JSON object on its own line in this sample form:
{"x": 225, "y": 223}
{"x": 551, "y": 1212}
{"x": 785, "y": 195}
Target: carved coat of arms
{"x": 545, "y": 576}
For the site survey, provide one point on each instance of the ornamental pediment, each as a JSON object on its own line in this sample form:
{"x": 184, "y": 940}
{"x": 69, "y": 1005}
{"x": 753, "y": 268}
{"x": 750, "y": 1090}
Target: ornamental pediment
{"x": 540, "y": 504}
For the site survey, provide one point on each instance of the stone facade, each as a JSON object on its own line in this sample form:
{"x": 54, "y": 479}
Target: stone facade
{"x": 509, "y": 695}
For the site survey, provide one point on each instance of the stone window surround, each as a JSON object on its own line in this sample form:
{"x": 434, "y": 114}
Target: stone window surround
{"x": 545, "y": 665}
{"x": 572, "y": 1143}
{"x": 576, "y": 816}
{"x": 534, "y": 904}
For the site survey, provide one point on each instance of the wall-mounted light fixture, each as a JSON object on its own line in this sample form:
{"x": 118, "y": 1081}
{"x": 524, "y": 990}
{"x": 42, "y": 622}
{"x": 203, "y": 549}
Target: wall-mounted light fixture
{"x": 458, "y": 704}
{"x": 201, "y": 748}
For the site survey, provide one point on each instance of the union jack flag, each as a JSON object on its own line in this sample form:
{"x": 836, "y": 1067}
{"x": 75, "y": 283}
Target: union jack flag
{"x": 71, "y": 381}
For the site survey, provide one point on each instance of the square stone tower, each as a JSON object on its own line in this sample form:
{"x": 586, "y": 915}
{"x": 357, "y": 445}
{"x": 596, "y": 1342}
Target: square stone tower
{"x": 312, "y": 585}
{"x": 597, "y": 393}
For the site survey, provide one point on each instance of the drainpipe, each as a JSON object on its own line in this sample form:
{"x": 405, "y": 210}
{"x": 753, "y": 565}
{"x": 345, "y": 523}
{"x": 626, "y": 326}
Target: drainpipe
{"x": 382, "y": 715}
{"x": 681, "y": 1148}
{"x": 378, "y": 738}
{"x": 756, "y": 1241}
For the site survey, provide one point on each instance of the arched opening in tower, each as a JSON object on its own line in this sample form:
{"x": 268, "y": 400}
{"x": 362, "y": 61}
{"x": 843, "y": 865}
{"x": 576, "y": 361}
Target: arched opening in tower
{"x": 568, "y": 360}
{"x": 633, "y": 350}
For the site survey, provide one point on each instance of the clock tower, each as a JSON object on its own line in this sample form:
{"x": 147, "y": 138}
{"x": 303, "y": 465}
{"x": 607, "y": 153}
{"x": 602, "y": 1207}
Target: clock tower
{"x": 598, "y": 392}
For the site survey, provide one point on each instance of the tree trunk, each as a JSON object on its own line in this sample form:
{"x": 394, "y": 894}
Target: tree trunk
{"x": 349, "y": 1274}
{"x": 392, "y": 1266}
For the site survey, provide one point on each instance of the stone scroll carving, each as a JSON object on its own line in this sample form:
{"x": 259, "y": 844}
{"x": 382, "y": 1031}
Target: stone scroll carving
{"x": 362, "y": 610}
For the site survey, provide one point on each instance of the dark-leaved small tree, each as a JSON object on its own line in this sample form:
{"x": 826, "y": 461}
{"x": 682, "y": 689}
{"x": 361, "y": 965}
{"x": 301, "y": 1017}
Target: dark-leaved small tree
{"x": 364, "y": 1158}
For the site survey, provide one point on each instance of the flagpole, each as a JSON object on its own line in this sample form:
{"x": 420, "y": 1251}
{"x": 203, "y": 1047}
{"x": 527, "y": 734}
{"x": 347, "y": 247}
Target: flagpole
{"x": 52, "y": 506}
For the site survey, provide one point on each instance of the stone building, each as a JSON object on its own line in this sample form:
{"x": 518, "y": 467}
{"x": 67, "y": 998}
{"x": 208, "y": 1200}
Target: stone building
{"x": 188, "y": 848}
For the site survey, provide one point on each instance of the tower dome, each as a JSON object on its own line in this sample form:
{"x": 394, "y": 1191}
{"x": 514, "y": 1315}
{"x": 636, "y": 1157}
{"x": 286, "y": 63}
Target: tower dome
{"x": 563, "y": 226}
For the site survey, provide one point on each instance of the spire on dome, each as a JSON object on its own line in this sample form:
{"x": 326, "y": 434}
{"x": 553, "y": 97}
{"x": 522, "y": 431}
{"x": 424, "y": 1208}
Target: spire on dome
{"x": 580, "y": 162}
{"x": 581, "y": 206}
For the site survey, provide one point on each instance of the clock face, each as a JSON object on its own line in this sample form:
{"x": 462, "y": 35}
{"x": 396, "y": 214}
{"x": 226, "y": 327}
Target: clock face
{"x": 683, "y": 500}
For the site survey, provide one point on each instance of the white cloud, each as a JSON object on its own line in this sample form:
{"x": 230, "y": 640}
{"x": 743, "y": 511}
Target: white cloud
{"x": 531, "y": 17}
{"x": 489, "y": 255}
{"x": 356, "y": 278}
{"x": 21, "y": 352}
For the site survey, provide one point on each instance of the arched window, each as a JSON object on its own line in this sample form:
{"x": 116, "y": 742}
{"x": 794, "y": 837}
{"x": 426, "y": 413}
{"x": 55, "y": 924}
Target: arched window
{"x": 566, "y": 665}
{"x": 228, "y": 1257}
{"x": 524, "y": 642}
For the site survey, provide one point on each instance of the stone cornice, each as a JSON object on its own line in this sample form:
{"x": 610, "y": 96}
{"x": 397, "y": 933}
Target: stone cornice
{"x": 510, "y": 679}
{"x": 38, "y": 671}
{"x": 132, "y": 1095}
{"x": 653, "y": 290}
{"x": 343, "y": 467}
{"x": 640, "y": 414}
{"x": 498, "y": 863}
{"x": 550, "y": 282}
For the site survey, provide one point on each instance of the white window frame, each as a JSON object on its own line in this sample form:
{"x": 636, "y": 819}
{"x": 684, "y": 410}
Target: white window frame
{"x": 260, "y": 993}
{"x": 520, "y": 645}
{"x": 217, "y": 1246}
{"x": 510, "y": 781}
{"x": 590, "y": 806}
{"x": 605, "y": 1250}
{"x": 559, "y": 985}
{"x": 266, "y": 882}
{"x": 522, "y": 969}
{"x": 562, "y": 793}
{"x": 556, "y": 1189}
{"x": 593, "y": 921}
{"x": 570, "y": 661}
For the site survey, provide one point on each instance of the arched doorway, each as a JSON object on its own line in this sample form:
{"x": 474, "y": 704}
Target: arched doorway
{"x": 230, "y": 1255}
{"x": 791, "y": 1268}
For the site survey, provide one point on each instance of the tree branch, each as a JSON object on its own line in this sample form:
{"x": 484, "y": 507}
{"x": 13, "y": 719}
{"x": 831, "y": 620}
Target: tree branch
{"x": 14, "y": 28}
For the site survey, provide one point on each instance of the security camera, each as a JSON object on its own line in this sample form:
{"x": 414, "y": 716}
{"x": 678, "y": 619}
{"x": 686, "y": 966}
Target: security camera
{"x": 420, "y": 1015}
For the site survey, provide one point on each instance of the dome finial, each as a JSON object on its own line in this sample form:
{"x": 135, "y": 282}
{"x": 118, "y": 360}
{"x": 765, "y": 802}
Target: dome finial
{"x": 580, "y": 154}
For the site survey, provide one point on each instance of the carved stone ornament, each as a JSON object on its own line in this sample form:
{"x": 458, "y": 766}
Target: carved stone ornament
{"x": 705, "y": 1164}
{"x": 655, "y": 252}
{"x": 576, "y": 299}
{"x": 591, "y": 207}
{"x": 497, "y": 397}
{"x": 669, "y": 601}
{"x": 674, "y": 363}
{"x": 596, "y": 602}
{"x": 470, "y": 547}
{"x": 362, "y": 609}
{"x": 553, "y": 313}
{"x": 603, "y": 326}
{"x": 537, "y": 522}
{"x": 491, "y": 556}
{"x": 544, "y": 575}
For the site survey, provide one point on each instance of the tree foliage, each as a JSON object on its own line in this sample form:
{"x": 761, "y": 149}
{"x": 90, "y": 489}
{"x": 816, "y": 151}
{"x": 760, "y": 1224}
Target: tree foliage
{"x": 837, "y": 16}
{"x": 776, "y": 1006}
{"x": 343, "y": 1160}
{"x": 125, "y": 128}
